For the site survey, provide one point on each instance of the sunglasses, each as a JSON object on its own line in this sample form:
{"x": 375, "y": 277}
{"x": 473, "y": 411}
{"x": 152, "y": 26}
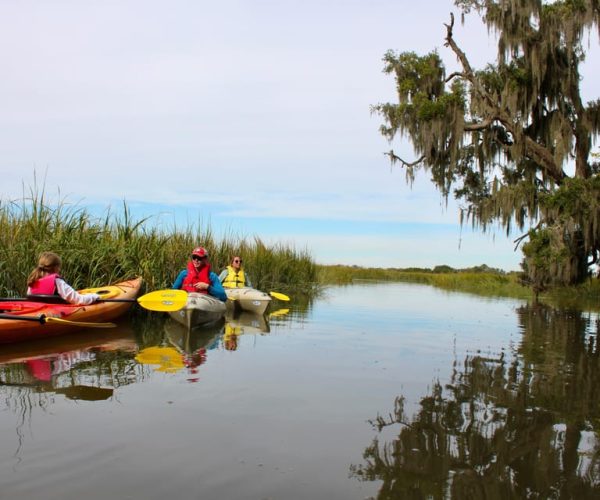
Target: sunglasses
{"x": 196, "y": 257}
{"x": 236, "y": 261}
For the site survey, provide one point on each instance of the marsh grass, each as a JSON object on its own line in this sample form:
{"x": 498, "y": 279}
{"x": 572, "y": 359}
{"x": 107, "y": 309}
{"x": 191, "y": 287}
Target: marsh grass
{"x": 99, "y": 251}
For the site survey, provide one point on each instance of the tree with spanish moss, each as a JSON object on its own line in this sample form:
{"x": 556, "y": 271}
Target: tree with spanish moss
{"x": 512, "y": 142}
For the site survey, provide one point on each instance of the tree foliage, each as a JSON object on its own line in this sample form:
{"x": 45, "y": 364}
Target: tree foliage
{"x": 512, "y": 142}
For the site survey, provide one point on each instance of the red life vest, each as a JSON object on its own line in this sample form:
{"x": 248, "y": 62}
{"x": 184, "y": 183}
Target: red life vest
{"x": 45, "y": 285}
{"x": 194, "y": 276}
{"x": 40, "y": 369}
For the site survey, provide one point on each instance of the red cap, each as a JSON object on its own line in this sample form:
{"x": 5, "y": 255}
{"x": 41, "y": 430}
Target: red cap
{"x": 200, "y": 252}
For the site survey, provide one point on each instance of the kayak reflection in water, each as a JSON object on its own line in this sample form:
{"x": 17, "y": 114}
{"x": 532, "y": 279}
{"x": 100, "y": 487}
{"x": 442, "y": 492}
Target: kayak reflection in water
{"x": 81, "y": 369}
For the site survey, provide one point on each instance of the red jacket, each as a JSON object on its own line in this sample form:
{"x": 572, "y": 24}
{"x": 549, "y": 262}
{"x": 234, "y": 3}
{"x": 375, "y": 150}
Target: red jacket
{"x": 194, "y": 276}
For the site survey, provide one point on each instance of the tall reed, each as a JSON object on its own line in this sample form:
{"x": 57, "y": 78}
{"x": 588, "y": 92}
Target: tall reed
{"x": 98, "y": 251}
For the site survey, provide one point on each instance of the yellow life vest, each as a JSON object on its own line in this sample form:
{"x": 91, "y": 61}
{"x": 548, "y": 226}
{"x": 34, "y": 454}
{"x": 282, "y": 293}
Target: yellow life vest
{"x": 234, "y": 279}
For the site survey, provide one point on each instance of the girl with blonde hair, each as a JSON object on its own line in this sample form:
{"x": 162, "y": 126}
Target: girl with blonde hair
{"x": 45, "y": 279}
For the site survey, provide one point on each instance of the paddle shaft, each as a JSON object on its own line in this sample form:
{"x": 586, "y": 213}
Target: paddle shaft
{"x": 43, "y": 319}
{"x": 54, "y": 299}
{"x": 40, "y": 319}
{"x": 159, "y": 300}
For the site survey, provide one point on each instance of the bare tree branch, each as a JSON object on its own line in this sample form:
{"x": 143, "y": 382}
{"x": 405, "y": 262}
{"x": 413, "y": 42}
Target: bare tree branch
{"x": 394, "y": 158}
{"x": 456, "y": 74}
{"x": 471, "y": 127}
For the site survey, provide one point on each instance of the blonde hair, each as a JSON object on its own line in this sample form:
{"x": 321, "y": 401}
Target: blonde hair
{"x": 48, "y": 263}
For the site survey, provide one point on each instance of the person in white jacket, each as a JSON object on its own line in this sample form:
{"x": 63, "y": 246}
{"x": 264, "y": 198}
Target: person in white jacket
{"x": 45, "y": 280}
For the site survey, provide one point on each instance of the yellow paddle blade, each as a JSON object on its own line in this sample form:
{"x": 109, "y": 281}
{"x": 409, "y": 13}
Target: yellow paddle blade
{"x": 279, "y": 296}
{"x": 279, "y": 312}
{"x": 168, "y": 359}
{"x": 163, "y": 300}
{"x": 51, "y": 319}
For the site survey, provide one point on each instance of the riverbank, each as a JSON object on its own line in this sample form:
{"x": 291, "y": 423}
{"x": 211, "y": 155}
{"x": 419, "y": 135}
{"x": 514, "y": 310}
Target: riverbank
{"x": 118, "y": 247}
{"x": 480, "y": 280}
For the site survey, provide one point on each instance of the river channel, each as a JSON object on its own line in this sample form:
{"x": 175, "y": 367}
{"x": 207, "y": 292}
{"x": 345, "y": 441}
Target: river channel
{"x": 373, "y": 390}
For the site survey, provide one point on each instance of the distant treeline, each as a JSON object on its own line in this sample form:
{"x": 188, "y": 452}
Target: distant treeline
{"x": 345, "y": 274}
{"x": 480, "y": 280}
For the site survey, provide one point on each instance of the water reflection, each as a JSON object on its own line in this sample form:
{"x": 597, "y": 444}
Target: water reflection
{"x": 163, "y": 358}
{"x": 240, "y": 323}
{"x": 87, "y": 365}
{"x": 90, "y": 364}
{"x": 184, "y": 348}
{"x": 279, "y": 313}
{"x": 181, "y": 348}
{"x": 519, "y": 425}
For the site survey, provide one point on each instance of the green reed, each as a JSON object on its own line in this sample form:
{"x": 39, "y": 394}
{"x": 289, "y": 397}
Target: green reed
{"x": 97, "y": 251}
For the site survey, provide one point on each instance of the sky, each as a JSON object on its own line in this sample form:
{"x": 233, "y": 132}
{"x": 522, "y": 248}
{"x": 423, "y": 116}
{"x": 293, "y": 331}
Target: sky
{"x": 253, "y": 116}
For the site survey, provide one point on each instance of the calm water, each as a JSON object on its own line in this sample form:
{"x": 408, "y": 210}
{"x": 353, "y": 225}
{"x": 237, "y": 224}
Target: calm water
{"x": 372, "y": 391}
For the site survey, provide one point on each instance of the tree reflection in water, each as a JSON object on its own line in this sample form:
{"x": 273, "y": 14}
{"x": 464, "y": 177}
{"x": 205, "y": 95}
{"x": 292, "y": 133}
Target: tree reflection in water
{"x": 524, "y": 428}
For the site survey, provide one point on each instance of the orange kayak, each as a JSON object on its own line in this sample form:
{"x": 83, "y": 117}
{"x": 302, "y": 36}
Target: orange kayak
{"x": 17, "y": 330}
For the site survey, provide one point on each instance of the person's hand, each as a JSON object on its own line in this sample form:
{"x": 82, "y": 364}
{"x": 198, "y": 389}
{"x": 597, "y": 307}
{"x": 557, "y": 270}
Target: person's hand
{"x": 201, "y": 286}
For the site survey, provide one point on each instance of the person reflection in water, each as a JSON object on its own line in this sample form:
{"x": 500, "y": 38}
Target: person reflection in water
{"x": 230, "y": 337}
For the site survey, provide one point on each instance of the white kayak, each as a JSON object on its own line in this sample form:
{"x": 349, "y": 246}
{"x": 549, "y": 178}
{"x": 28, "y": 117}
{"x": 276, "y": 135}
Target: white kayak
{"x": 248, "y": 299}
{"x": 200, "y": 309}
